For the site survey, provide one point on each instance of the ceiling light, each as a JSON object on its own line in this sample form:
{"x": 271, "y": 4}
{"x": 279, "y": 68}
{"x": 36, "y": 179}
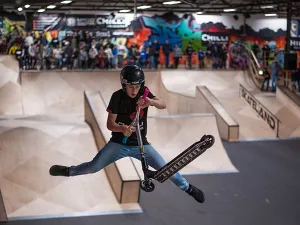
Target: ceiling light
{"x": 267, "y": 7}
{"x": 66, "y": 2}
{"x": 143, "y": 7}
{"x": 171, "y": 2}
{"x": 124, "y": 10}
{"x": 271, "y": 14}
{"x": 229, "y": 10}
{"x": 199, "y": 13}
{"x": 20, "y": 9}
{"x": 27, "y": 6}
{"x": 51, "y": 6}
{"x": 41, "y": 10}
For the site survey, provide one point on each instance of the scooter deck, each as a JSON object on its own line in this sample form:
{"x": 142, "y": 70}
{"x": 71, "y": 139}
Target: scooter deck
{"x": 184, "y": 158}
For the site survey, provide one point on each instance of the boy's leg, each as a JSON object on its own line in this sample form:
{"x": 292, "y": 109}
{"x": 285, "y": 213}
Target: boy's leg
{"x": 108, "y": 154}
{"x": 156, "y": 161}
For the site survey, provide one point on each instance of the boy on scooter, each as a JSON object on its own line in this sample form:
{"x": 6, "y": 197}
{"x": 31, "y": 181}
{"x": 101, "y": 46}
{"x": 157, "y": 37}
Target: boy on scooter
{"x": 121, "y": 111}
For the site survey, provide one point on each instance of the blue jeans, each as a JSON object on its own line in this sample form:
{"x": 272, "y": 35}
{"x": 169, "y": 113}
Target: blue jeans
{"x": 274, "y": 82}
{"x": 112, "y": 152}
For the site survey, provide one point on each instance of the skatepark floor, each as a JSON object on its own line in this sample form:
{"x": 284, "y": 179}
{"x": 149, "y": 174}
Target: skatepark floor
{"x": 265, "y": 191}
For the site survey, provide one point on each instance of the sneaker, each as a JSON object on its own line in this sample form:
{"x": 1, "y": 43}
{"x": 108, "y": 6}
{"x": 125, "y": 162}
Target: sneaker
{"x": 57, "y": 170}
{"x": 196, "y": 193}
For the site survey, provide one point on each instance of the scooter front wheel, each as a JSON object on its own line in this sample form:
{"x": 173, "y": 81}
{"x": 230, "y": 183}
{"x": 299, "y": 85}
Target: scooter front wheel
{"x": 147, "y": 185}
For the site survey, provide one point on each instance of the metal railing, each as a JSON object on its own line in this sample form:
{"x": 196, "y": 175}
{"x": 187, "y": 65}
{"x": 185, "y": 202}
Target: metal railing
{"x": 255, "y": 70}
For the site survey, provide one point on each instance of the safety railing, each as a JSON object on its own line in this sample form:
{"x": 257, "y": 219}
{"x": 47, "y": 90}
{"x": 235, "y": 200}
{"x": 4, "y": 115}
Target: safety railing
{"x": 255, "y": 69}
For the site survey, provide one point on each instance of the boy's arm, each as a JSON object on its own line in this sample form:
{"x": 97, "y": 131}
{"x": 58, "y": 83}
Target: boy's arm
{"x": 112, "y": 125}
{"x": 158, "y": 103}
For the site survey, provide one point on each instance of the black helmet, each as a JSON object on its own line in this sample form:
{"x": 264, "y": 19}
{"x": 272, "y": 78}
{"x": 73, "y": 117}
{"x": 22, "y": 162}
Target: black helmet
{"x": 132, "y": 74}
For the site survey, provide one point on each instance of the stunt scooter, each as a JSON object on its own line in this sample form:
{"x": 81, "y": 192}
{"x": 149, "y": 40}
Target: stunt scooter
{"x": 176, "y": 164}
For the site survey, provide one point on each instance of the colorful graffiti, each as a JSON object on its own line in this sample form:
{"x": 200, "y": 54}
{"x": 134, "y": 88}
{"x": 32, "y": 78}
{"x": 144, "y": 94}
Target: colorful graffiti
{"x": 177, "y": 29}
{"x": 185, "y": 30}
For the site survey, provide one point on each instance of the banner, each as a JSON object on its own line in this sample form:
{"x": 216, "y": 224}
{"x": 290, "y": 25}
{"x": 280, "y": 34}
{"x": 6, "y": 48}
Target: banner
{"x": 262, "y": 111}
{"x": 48, "y": 22}
{"x": 295, "y": 35}
{"x": 295, "y": 44}
{"x": 97, "y": 22}
{"x": 295, "y": 29}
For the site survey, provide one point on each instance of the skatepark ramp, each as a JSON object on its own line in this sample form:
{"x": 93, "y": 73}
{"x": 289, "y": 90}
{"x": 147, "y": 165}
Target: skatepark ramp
{"x": 53, "y": 99}
{"x": 10, "y": 90}
{"x": 30, "y": 145}
{"x": 279, "y": 111}
{"x": 224, "y": 87}
{"x": 172, "y": 134}
{"x": 203, "y": 102}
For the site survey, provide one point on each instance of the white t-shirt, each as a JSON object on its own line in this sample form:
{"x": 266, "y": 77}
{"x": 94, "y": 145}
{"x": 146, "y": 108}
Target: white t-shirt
{"x": 29, "y": 40}
{"x": 57, "y": 53}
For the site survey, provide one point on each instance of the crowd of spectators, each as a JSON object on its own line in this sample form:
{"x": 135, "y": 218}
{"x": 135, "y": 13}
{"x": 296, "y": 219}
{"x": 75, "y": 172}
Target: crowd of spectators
{"x": 86, "y": 52}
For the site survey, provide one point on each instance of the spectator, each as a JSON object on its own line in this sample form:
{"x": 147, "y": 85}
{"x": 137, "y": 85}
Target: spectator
{"x": 115, "y": 57}
{"x": 19, "y": 57}
{"x": 266, "y": 53}
{"x": 223, "y": 56}
{"x": 296, "y": 79}
{"x": 177, "y": 55}
{"x": 102, "y": 58}
{"x": 275, "y": 71}
{"x": 155, "y": 49}
{"x": 83, "y": 58}
{"x": 121, "y": 54}
{"x": 75, "y": 58}
{"x": 29, "y": 39}
{"x": 26, "y": 56}
{"x": 109, "y": 56}
{"x": 68, "y": 52}
{"x": 167, "y": 50}
{"x": 201, "y": 58}
{"x": 93, "y": 52}
{"x": 189, "y": 52}
{"x": 133, "y": 53}
{"x": 47, "y": 53}
{"x": 143, "y": 58}
{"x": 57, "y": 52}
{"x": 215, "y": 52}
{"x": 266, "y": 80}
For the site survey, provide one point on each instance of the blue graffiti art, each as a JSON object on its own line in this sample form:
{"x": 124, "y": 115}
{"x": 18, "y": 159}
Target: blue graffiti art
{"x": 162, "y": 31}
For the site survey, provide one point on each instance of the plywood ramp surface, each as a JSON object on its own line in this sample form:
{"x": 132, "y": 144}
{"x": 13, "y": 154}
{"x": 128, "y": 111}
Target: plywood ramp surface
{"x": 61, "y": 93}
{"x": 10, "y": 91}
{"x": 171, "y": 135}
{"x": 224, "y": 85}
{"x": 29, "y": 147}
{"x": 289, "y": 125}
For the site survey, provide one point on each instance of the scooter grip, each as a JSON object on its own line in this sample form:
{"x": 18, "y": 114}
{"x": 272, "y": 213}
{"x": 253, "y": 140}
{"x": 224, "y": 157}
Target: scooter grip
{"x": 124, "y": 139}
{"x": 146, "y": 93}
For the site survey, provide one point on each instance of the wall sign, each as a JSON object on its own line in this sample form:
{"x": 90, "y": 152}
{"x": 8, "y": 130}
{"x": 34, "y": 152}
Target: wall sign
{"x": 215, "y": 38}
{"x": 262, "y": 111}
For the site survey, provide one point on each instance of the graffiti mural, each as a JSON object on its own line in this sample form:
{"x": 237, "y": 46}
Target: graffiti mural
{"x": 178, "y": 29}
{"x": 185, "y": 29}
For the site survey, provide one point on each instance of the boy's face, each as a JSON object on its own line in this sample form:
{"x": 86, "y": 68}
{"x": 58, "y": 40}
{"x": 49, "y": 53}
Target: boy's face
{"x": 132, "y": 90}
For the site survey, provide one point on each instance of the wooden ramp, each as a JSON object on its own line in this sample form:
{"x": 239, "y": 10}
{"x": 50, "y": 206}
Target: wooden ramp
{"x": 172, "y": 134}
{"x": 224, "y": 86}
{"x": 29, "y": 147}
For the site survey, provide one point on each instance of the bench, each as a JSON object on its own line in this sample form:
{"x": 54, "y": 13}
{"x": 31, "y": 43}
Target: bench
{"x": 122, "y": 175}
